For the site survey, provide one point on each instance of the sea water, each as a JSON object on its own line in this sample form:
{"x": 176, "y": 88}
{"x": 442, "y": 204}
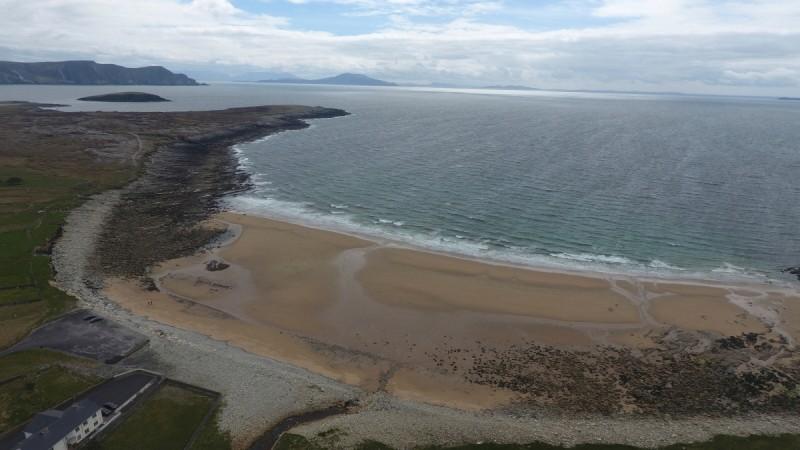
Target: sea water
{"x": 686, "y": 186}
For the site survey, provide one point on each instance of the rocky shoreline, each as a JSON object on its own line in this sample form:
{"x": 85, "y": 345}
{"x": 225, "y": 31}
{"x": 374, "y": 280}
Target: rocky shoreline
{"x": 159, "y": 215}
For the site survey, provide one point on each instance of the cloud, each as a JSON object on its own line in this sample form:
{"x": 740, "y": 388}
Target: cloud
{"x": 701, "y": 45}
{"x": 780, "y": 76}
{"x": 427, "y": 8}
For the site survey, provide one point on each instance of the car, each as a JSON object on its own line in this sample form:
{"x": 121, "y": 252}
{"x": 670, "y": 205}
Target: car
{"x": 110, "y": 405}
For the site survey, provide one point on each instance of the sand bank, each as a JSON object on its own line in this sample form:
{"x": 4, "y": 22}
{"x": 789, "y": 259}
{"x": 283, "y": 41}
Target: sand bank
{"x": 419, "y": 324}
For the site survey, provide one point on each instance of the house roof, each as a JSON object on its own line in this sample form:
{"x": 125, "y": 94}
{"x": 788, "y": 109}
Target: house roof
{"x": 49, "y": 427}
{"x": 42, "y": 420}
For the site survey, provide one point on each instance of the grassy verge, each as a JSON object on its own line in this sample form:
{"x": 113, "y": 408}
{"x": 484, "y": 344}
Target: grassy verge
{"x": 329, "y": 440}
{"x": 37, "y": 380}
{"x": 165, "y": 421}
{"x": 30, "y": 361}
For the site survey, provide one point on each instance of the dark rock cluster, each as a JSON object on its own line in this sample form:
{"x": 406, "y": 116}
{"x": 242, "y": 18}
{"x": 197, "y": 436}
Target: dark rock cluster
{"x": 793, "y": 270}
{"x": 214, "y": 265}
{"x": 665, "y": 380}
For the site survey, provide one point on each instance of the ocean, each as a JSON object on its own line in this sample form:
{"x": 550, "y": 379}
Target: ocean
{"x": 662, "y": 185}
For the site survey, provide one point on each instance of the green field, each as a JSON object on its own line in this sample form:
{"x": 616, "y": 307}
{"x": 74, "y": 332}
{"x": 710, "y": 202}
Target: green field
{"x": 47, "y": 167}
{"x": 212, "y": 437}
{"x": 30, "y": 215}
{"x": 165, "y": 421}
{"x": 329, "y": 440}
{"x": 36, "y": 380}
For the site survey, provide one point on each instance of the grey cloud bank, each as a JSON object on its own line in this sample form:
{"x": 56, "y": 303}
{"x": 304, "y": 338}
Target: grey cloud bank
{"x": 723, "y": 47}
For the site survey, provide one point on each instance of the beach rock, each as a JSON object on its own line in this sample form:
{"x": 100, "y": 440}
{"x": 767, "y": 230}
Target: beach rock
{"x": 150, "y": 284}
{"x": 793, "y": 270}
{"x": 214, "y": 265}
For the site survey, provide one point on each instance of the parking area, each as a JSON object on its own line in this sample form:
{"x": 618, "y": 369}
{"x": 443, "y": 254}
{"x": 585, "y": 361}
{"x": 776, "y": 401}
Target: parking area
{"x": 86, "y": 334}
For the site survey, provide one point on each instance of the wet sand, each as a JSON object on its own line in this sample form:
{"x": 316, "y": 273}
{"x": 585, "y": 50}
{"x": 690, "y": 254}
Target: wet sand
{"x": 384, "y": 317}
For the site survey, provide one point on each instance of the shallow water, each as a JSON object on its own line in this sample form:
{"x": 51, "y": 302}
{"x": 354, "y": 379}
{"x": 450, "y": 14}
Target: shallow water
{"x": 677, "y": 185}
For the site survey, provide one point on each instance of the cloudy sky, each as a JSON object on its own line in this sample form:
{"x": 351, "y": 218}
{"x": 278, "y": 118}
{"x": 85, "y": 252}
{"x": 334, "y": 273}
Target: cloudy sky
{"x": 748, "y": 47}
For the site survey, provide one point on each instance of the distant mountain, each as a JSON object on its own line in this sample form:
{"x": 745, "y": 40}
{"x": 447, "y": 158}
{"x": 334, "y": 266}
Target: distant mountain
{"x": 88, "y": 72}
{"x": 512, "y": 87}
{"x": 259, "y": 76}
{"x": 349, "y": 79}
{"x": 207, "y": 75}
{"x": 789, "y": 98}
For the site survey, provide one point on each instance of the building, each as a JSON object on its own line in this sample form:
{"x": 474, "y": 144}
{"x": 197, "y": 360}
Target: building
{"x": 55, "y": 430}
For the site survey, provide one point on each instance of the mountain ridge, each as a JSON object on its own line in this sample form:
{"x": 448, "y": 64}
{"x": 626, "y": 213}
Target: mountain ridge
{"x": 84, "y": 72}
{"x": 345, "y": 79}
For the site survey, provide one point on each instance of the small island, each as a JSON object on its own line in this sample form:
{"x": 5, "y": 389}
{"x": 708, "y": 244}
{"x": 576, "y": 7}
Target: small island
{"x": 124, "y": 97}
{"x": 789, "y": 98}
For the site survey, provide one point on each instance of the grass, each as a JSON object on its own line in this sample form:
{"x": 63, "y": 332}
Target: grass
{"x": 329, "y": 440}
{"x": 165, "y": 421}
{"x": 46, "y": 378}
{"x": 21, "y": 398}
{"x": 212, "y": 437}
{"x": 29, "y": 361}
{"x": 31, "y": 213}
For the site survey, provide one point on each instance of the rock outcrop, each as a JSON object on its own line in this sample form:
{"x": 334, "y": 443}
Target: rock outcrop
{"x": 793, "y": 270}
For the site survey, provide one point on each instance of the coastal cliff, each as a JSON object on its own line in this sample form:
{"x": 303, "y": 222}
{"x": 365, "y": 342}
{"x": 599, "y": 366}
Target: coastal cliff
{"x": 88, "y": 73}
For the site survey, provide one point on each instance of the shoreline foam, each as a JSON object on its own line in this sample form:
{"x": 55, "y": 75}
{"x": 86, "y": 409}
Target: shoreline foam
{"x": 593, "y": 266}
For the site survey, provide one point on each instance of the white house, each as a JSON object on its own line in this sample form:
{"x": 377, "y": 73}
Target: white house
{"x": 55, "y": 430}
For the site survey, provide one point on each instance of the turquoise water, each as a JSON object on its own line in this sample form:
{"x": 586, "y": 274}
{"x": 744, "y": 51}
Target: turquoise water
{"x": 673, "y": 185}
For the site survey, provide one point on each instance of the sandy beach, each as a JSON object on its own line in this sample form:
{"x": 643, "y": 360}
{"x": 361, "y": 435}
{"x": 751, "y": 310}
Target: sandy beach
{"x": 420, "y": 325}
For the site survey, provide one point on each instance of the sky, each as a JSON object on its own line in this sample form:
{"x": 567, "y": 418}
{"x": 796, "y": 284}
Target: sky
{"x": 738, "y": 47}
